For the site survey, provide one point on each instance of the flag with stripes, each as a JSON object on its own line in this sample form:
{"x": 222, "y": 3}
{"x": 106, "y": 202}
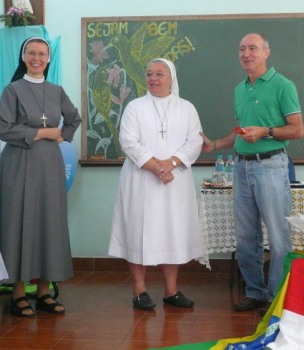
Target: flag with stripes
{"x": 282, "y": 327}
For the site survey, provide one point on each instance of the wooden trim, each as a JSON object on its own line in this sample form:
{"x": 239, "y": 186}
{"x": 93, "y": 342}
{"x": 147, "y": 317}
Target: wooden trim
{"x": 194, "y": 17}
{"x": 107, "y": 163}
{"x": 83, "y": 92}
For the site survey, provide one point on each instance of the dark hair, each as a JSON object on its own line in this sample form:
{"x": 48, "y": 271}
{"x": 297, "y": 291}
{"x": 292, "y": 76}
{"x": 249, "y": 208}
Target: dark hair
{"x": 21, "y": 69}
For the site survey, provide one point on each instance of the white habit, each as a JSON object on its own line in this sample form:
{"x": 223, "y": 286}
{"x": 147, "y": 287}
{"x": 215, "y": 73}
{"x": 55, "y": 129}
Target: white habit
{"x": 155, "y": 223}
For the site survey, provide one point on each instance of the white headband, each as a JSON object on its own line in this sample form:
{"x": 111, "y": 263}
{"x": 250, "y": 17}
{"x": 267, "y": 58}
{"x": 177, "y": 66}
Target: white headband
{"x": 171, "y": 66}
{"x": 36, "y": 38}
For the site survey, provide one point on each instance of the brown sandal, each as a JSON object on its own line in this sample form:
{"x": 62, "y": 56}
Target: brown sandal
{"x": 19, "y": 310}
{"x": 42, "y": 305}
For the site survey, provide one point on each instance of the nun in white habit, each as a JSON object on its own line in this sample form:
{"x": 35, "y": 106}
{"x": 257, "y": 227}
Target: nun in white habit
{"x": 155, "y": 220}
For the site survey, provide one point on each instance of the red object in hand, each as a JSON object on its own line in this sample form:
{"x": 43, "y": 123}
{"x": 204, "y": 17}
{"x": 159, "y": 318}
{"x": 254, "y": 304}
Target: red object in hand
{"x": 240, "y": 131}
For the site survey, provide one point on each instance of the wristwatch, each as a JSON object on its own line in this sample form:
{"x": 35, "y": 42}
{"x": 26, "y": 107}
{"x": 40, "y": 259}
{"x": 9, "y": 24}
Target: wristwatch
{"x": 173, "y": 162}
{"x": 270, "y": 134}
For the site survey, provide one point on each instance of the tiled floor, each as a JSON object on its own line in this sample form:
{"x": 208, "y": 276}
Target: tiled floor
{"x": 99, "y": 315}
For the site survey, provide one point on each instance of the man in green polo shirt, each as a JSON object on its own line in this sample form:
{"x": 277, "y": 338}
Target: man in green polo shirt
{"x": 269, "y": 114}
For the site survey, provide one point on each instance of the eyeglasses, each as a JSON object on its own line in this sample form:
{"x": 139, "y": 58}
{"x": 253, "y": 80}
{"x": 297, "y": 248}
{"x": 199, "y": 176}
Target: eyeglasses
{"x": 34, "y": 54}
{"x": 158, "y": 75}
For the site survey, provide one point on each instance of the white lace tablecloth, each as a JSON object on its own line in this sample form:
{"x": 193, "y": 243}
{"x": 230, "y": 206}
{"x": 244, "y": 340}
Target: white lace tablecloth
{"x": 216, "y": 218}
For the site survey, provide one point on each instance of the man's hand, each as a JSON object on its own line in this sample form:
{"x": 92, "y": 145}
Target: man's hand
{"x": 254, "y": 133}
{"x": 208, "y": 145}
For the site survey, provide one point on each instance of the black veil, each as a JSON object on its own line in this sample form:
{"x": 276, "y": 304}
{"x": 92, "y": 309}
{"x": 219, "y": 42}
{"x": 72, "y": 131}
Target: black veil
{"x": 21, "y": 69}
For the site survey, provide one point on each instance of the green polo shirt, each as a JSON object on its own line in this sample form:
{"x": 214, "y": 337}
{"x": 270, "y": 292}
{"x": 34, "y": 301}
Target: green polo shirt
{"x": 266, "y": 103}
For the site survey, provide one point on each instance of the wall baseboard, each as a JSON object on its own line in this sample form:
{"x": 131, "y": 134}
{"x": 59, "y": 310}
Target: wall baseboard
{"x": 114, "y": 264}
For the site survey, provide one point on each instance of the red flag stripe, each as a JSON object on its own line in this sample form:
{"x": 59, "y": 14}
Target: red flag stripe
{"x": 294, "y": 299}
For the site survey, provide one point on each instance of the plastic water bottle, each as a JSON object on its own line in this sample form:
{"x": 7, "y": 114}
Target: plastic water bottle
{"x": 219, "y": 176}
{"x": 229, "y": 169}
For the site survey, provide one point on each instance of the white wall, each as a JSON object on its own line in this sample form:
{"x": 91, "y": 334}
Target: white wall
{"x": 92, "y": 195}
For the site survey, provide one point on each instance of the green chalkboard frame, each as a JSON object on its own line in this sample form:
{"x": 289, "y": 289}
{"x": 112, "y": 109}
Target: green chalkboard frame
{"x": 205, "y": 52}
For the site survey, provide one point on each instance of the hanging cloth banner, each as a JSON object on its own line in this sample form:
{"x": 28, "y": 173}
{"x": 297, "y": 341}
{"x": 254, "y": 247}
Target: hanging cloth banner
{"x": 11, "y": 40}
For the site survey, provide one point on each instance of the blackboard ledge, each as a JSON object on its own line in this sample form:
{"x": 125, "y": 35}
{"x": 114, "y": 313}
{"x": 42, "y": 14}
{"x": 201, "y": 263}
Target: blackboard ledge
{"x": 116, "y": 162}
{"x": 96, "y": 163}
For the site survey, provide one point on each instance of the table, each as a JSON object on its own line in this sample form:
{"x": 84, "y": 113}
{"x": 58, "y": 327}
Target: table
{"x": 216, "y": 219}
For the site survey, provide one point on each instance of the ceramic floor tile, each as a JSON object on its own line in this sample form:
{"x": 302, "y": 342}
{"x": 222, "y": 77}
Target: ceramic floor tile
{"x": 100, "y": 315}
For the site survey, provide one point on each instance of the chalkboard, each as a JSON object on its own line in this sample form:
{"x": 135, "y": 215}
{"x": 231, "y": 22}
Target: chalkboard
{"x": 204, "y": 50}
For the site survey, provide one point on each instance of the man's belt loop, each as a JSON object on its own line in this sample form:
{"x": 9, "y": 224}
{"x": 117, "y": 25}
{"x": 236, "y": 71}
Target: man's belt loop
{"x": 258, "y": 157}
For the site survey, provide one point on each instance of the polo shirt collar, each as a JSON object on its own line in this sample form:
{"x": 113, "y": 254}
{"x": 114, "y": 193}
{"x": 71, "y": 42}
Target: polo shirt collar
{"x": 266, "y": 76}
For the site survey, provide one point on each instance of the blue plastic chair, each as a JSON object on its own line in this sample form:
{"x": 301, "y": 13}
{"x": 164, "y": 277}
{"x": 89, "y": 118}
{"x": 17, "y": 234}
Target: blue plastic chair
{"x": 291, "y": 168}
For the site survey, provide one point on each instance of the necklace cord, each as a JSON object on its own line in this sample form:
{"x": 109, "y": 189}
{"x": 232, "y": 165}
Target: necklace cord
{"x": 44, "y": 118}
{"x": 162, "y": 131}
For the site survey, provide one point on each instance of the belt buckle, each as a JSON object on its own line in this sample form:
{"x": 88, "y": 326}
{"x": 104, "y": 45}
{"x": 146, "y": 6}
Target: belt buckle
{"x": 249, "y": 157}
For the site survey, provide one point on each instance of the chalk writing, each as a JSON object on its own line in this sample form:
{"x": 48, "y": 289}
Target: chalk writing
{"x": 105, "y": 29}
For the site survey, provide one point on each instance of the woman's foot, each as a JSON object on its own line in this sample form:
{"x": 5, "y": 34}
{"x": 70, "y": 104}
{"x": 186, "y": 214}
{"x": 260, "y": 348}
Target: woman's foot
{"x": 179, "y": 300}
{"x": 143, "y": 302}
{"x": 48, "y": 304}
{"x": 21, "y": 307}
